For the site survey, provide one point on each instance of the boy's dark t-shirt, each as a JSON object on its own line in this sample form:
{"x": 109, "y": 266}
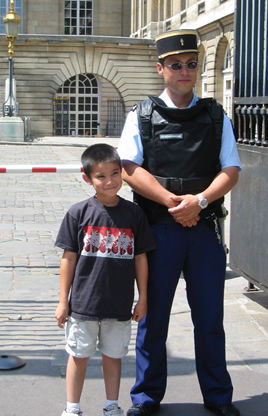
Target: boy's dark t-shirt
{"x": 106, "y": 240}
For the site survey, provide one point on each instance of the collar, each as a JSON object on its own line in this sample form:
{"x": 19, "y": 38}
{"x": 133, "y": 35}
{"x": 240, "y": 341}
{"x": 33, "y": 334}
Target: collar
{"x": 165, "y": 97}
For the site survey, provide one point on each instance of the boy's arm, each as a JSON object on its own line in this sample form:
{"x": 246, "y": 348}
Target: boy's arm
{"x": 141, "y": 266}
{"x": 67, "y": 269}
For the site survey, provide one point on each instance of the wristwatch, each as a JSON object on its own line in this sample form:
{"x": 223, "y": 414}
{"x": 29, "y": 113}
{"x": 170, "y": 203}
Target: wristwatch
{"x": 202, "y": 201}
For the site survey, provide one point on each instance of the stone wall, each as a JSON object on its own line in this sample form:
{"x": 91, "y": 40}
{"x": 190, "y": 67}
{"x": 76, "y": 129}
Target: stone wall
{"x": 111, "y": 18}
{"x": 43, "y": 64}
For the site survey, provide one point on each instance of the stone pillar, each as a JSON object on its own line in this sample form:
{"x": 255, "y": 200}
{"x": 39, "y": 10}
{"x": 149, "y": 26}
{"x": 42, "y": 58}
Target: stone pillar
{"x": 11, "y": 129}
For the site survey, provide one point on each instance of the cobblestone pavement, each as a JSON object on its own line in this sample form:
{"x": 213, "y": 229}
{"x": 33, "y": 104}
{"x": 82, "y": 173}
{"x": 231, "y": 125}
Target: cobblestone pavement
{"x": 31, "y": 209}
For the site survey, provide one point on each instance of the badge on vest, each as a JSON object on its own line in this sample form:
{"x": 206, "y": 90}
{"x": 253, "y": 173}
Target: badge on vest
{"x": 178, "y": 136}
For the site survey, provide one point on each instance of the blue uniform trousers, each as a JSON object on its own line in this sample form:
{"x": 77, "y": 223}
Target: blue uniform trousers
{"x": 197, "y": 253}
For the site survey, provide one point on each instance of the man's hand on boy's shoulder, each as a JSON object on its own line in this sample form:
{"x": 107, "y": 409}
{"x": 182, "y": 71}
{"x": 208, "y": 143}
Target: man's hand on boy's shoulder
{"x": 61, "y": 314}
{"x": 140, "y": 311}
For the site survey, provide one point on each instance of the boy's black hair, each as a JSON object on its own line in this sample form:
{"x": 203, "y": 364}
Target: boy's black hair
{"x": 98, "y": 153}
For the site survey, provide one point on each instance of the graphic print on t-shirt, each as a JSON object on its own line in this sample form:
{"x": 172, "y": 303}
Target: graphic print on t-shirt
{"x": 108, "y": 242}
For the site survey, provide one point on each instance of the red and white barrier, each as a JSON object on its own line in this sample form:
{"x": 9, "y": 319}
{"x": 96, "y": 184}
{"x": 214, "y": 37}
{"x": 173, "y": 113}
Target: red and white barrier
{"x": 41, "y": 168}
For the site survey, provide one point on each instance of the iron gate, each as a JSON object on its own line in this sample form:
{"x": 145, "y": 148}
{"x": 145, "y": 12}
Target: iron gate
{"x": 115, "y": 118}
{"x": 249, "y": 229}
{"x": 61, "y": 116}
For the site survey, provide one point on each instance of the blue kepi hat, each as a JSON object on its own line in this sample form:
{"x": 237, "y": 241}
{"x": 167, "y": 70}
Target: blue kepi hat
{"x": 175, "y": 42}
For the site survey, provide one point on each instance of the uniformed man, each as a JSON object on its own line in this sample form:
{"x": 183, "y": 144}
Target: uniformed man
{"x": 180, "y": 157}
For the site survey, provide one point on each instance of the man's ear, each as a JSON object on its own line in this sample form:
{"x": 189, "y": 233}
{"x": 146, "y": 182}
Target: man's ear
{"x": 159, "y": 68}
{"x": 86, "y": 179}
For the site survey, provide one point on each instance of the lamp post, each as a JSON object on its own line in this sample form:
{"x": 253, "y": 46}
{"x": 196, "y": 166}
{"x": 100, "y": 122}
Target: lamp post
{"x": 12, "y": 23}
{"x": 11, "y": 125}
{"x": 10, "y": 108}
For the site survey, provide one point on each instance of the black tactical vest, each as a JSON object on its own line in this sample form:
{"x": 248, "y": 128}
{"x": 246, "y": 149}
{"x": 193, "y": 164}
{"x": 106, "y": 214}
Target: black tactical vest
{"x": 181, "y": 149}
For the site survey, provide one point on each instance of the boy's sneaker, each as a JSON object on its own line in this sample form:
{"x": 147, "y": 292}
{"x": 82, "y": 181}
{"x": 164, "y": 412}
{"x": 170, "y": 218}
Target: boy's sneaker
{"x": 73, "y": 413}
{"x": 113, "y": 410}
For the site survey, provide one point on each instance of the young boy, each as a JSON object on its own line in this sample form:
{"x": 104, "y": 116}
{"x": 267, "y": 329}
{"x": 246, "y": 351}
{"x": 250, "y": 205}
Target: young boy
{"x": 105, "y": 240}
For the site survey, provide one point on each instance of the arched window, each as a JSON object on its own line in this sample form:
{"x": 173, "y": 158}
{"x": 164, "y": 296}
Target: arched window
{"x": 78, "y": 17}
{"x": 227, "y": 83}
{"x": 83, "y": 93}
{"x": 204, "y": 78}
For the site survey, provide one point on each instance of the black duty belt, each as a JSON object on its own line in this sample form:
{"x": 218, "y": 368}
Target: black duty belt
{"x": 182, "y": 186}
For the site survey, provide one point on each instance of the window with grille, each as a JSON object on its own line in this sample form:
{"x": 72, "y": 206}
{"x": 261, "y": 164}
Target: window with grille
{"x": 78, "y": 17}
{"x": 83, "y": 93}
{"x": 5, "y": 7}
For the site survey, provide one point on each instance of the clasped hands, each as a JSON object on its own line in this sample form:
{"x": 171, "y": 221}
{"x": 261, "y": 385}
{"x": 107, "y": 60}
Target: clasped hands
{"x": 185, "y": 209}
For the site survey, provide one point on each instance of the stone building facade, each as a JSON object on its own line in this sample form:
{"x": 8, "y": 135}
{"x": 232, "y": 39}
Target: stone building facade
{"x": 81, "y": 65}
{"x": 77, "y": 71}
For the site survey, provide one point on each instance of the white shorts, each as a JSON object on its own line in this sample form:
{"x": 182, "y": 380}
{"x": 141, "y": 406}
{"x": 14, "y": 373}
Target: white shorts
{"x": 110, "y": 337}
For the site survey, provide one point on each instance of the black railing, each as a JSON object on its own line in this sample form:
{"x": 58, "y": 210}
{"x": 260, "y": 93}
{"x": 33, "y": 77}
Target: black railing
{"x": 250, "y": 110}
{"x": 251, "y": 123}
{"x": 248, "y": 230}
{"x": 115, "y": 118}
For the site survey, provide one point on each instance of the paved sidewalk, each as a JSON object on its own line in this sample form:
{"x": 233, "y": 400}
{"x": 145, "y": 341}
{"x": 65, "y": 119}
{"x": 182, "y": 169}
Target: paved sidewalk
{"x": 31, "y": 209}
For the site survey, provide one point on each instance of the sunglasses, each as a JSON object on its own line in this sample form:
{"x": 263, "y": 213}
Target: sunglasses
{"x": 177, "y": 66}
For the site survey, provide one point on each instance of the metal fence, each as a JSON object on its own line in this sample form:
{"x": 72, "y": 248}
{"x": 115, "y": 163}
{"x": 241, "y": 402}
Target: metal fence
{"x": 251, "y": 72}
{"x": 115, "y": 119}
{"x": 248, "y": 226}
